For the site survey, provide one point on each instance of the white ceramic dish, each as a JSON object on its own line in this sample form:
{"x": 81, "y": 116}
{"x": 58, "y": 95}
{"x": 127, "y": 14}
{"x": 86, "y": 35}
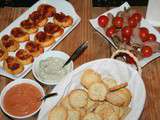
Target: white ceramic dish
{"x": 16, "y": 82}
{"x": 118, "y": 70}
{"x": 44, "y": 56}
{"x": 144, "y": 23}
{"x": 61, "y": 6}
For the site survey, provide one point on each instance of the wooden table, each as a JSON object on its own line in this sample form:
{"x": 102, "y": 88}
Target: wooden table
{"x": 98, "y": 48}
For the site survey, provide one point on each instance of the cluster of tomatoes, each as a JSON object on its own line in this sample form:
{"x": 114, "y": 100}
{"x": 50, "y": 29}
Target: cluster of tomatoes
{"x": 126, "y": 27}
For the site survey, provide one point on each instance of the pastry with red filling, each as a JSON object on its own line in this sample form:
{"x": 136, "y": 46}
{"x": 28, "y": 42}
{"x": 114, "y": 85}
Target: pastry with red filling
{"x": 53, "y": 29}
{"x": 24, "y": 57}
{"x": 3, "y": 54}
{"x": 12, "y": 66}
{"x": 44, "y": 39}
{"x": 9, "y": 44}
{"x": 34, "y": 48}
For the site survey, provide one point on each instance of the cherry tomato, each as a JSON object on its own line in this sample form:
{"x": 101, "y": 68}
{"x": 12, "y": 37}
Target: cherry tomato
{"x": 137, "y": 17}
{"x": 152, "y": 37}
{"x": 103, "y": 20}
{"x": 129, "y": 60}
{"x": 143, "y": 34}
{"x": 126, "y": 40}
{"x": 118, "y": 22}
{"x": 110, "y": 31}
{"x": 146, "y": 51}
{"x": 132, "y": 22}
{"x": 127, "y": 31}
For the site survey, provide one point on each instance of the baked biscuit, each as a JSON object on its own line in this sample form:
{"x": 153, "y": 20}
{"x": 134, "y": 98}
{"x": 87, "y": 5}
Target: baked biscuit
{"x": 47, "y": 10}
{"x": 58, "y": 113}
{"x": 121, "y": 97}
{"x": 117, "y": 87}
{"x": 34, "y": 48}
{"x": 112, "y": 116}
{"x": 12, "y": 66}
{"x": 124, "y": 111}
{"x": 43, "y": 39}
{"x": 53, "y": 29}
{"x": 19, "y": 35}
{"x": 91, "y": 105}
{"x": 29, "y": 26}
{"x": 9, "y": 44}
{"x": 62, "y": 20}
{"x": 73, "y": 115}
{"x": 38, "y": 18}
{"x": 82, "y": 111}
{"x": 3, "y": 54}
{"x": 78, "y": 98}
{"x": 65, "y": 103}
{"x": 89, "y": 77}
{"x": 92, "y": 116}
{"x": 97, "y": 91}
{"x": 24, "y": 57}
{"x": 109, "y": 82}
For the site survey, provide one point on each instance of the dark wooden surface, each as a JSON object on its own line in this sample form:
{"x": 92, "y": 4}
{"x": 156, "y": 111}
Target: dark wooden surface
{"x": 98, "y": 48}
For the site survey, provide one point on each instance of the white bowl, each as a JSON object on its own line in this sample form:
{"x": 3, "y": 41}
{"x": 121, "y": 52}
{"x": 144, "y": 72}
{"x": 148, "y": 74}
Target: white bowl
{"x": 44, "y": 56}
{"x": 16, "y": 82}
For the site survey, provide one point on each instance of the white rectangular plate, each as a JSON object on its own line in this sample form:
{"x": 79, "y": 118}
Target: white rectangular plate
{"x": 61, "y": 6}
{"x": 144, "y": 23}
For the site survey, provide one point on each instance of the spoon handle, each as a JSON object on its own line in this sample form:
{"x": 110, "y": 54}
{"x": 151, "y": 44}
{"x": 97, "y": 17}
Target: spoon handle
{"x": 49, "y": 95}
{"x": 77, "y": 52}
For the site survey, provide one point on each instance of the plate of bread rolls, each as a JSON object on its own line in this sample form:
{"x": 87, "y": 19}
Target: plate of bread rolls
{"x": 103, "y": 89}
{"x": 39, "y": 29}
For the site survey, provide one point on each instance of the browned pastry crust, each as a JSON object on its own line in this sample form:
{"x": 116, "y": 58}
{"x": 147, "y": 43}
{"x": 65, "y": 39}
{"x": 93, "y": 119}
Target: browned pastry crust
{"x": 9, "y": 44}
{"x": 47, "y": 10}
{"x": 38, "y": 18}
{"x": 29, "y": 26}
{"x": 34, "y": 48}
{"x": 12, "y": 66}
{"x": 53, "y": 29}
{"x": 44, "y": 39}
{"x": 63, "y": 20}
{"x": 3, "y": 54}
{"x": 24, "y": 57}
{"x": 19, "y": 35}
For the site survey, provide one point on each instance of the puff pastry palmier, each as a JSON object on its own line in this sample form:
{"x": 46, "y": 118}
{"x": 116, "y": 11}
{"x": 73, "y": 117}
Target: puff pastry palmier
{"x": 19, "y": 35}
{"x": 53, "y": 29}
{"x": 62, "y": 20}
{"x": 44, "y": 39}
{"x": 24, "y": 57}
{"x": 38, "y": 18}
{"x": 9, "y": 44}
{"x": 12, "y": 66}
{"x": 29, "y": 26}
{"x": 3, "y": 54}
{"x": 34, "y": 48}
{"x": 47, "y": 10}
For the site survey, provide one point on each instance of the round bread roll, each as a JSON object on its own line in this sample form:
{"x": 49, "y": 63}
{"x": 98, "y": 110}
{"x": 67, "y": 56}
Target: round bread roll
{"x": 24, "y": 57}
{"x": 43, "y": 39}
{"x": 47, "y": 10}
{"x": 109, "y": 82}
{"x": 82, "y": 111}
{"x": 3, "y": 54}
{"x": 34, "y": 48}
{"x": 92, "y": 116}
{"x": 38, "y": 18}
{"x": 78, "y": 98}
{"x": 121, "y": 97}
{"x": 62, "y": 20}
{"x": 112, "y": 116}
{"x": 9, "y": 44}
{"x": 19, "y": 35}
{"x": 97, "y": 91}
{"x": 53, "y": 29}
{"x": 73, "y": 115}
{"x": 91, "y": 105}
{"x": 12, "y": 66}
{"x": 65, "y": 103}
{"x": 58, "y": 113}
{"x": 29, "y": 26}
{"x": 123, "y": 112}
{"x": 89, "y": 77}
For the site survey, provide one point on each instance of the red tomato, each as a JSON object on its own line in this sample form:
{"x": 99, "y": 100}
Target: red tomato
{"x": 126, "y": 40}
{"x": 110, "y": 31}
{"x": 132, "y": 22}
{"x": 146, "y": 51}
{"x": 143, "y": 34}
{"x": 152, "y": 37}
{"x": 137, "y": 17}
{"x": 129, "y": 60}
{"x": 103, "y": 20}
{"x": 127, "y": 31}
{"x": 118, "y": 22}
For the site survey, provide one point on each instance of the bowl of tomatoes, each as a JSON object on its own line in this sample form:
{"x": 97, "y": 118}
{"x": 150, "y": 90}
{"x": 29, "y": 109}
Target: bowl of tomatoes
{"x": 125, "y": 28}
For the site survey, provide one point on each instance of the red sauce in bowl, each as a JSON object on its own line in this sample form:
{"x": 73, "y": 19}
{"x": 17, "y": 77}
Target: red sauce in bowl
{"x": 22, "y": 99}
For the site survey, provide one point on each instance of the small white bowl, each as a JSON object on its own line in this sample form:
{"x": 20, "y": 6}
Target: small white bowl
{"x": 44, "y": 56}
{"x": 16, "y": 82}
